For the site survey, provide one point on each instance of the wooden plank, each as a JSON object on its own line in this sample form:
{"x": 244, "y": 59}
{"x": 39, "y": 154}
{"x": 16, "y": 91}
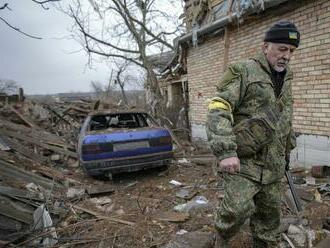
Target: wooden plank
{"x": 35, "y": 132}
{"x": 27, "y": 122}
{"x": 15, "y": 211}
{"x": 172, "y": 216}
{"x": 25, "y": 151}
{"x": 11, "y": 172}
{"x": 12, "y": 192}
{"x": 40, "y": 144}
{"x": 215, "y": 2}
{"x": 31, "y": 161}
{"x": 97, "y": 190}
{"x": 100, "y": 216}
{"x": 81, "y": 110}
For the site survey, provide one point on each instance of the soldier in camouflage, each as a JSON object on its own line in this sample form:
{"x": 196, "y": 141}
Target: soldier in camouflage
{"x": 249, "y": 127}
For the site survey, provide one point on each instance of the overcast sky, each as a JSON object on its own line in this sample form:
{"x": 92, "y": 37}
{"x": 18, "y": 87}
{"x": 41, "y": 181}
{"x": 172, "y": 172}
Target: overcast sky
{"x": 48, "y": 65}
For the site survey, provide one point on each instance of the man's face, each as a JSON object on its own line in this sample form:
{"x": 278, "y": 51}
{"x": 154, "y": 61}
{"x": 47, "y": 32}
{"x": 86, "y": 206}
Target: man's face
{"x": 278, "y": 55}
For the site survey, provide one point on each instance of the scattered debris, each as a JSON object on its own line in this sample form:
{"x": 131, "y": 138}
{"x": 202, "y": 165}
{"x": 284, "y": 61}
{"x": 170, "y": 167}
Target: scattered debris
{"x": 46, "y": 200}
{"x": 176, "y": 183}
{"x": 297, "y": 235}
{"x": 186, "y": 194}
{"x": 172, "y": 216}
{"x": 191, "y": 240}
{"x": 75, "y": 192}
{"x": 324, "y": 189}
{"x": 43, "y": 221}
{"x": 183, "y": 161}
{"x": 199, "y": 202}
{"x": 98, "y": 190}
{"x": 181, "y": 231}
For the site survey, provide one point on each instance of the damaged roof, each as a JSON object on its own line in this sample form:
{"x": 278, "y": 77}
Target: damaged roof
{"x": 206, "y": 16}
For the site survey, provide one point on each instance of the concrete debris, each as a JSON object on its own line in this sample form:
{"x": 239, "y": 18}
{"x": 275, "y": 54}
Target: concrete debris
{"x": 75, "y": 192}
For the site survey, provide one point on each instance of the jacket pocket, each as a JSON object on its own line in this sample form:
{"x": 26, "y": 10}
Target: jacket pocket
{"x": 252, "y": 135}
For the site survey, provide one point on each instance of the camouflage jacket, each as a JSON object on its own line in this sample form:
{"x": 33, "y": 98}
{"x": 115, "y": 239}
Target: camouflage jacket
{"x": 244, "y": 90}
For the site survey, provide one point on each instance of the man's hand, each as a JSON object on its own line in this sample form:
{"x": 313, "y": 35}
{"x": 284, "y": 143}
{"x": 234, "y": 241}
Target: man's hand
{"x": 230, "y": 165}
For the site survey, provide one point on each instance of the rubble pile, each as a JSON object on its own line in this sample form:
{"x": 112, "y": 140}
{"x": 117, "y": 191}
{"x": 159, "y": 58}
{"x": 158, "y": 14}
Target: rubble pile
{"x": 47, "y": 201}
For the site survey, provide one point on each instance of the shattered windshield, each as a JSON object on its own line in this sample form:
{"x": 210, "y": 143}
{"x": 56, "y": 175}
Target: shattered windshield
{"x": 121, "y": 120}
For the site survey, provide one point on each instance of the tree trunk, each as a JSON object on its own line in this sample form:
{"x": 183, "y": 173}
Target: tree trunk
{"x": 154, "y": 96}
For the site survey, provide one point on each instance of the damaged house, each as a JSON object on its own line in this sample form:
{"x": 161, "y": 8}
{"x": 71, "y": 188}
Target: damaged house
{"x": 220, "y": 32}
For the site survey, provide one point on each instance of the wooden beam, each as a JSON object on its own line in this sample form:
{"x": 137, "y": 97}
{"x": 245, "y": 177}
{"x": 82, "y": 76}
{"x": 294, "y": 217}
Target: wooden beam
{"x": 100, "y": 216}
{"x": 39, "y": 143}
{"x": 11, "y": 172}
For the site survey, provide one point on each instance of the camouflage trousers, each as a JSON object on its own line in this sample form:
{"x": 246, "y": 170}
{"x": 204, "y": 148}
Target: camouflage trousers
{"x": 245, "y": 198}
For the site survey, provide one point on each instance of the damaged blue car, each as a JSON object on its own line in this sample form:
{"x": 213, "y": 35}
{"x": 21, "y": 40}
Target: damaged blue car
{"x": 122, "y": 141}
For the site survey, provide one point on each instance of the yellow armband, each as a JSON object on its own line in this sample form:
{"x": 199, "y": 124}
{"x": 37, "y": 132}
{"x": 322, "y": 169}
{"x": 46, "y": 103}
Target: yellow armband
{"x": 218, "y": 103}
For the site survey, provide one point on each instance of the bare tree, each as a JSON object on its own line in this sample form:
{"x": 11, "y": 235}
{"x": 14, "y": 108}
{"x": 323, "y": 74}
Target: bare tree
{"x": 8, "y": 86}
{"x": 127, "y": 75}
{"x": 127, "y": 29}
{"x": 121, "y": 79}
{"x": 6, "y": 7}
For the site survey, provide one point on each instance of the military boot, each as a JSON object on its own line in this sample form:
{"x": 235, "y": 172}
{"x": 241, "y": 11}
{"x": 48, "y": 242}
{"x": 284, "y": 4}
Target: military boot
{"x": 220, "y": 242}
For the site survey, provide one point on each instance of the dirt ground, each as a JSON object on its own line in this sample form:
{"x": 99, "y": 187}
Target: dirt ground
{"x": 142, "y": 197}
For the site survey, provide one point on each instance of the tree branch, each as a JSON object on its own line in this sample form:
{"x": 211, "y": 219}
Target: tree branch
{"x": 43, "y": 2}
{"x": 135, "y": 61}
{"x": 149, "y": 32}
{"x": 18, "y": 30}
{"x": 4, "y": 6}
{"x": 87, "y": 35}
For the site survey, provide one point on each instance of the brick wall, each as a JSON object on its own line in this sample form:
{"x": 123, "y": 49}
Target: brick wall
{"x": 310, "y": 64}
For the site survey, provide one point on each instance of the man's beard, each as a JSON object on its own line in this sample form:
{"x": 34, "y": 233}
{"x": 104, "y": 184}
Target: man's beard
{"x": 281, "y": 65}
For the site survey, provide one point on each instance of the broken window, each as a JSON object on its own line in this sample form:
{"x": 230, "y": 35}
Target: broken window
{"x": 121, "y": 120}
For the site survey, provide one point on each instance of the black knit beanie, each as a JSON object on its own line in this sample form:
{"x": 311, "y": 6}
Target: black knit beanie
{"x": 283, "y": 32}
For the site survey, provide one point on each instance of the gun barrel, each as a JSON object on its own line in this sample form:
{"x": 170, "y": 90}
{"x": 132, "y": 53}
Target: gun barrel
{"x": 293, "y": 191}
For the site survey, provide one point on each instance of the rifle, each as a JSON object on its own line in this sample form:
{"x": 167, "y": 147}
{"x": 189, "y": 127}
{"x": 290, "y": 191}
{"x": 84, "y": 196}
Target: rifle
{"x": 293, "y": 190}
